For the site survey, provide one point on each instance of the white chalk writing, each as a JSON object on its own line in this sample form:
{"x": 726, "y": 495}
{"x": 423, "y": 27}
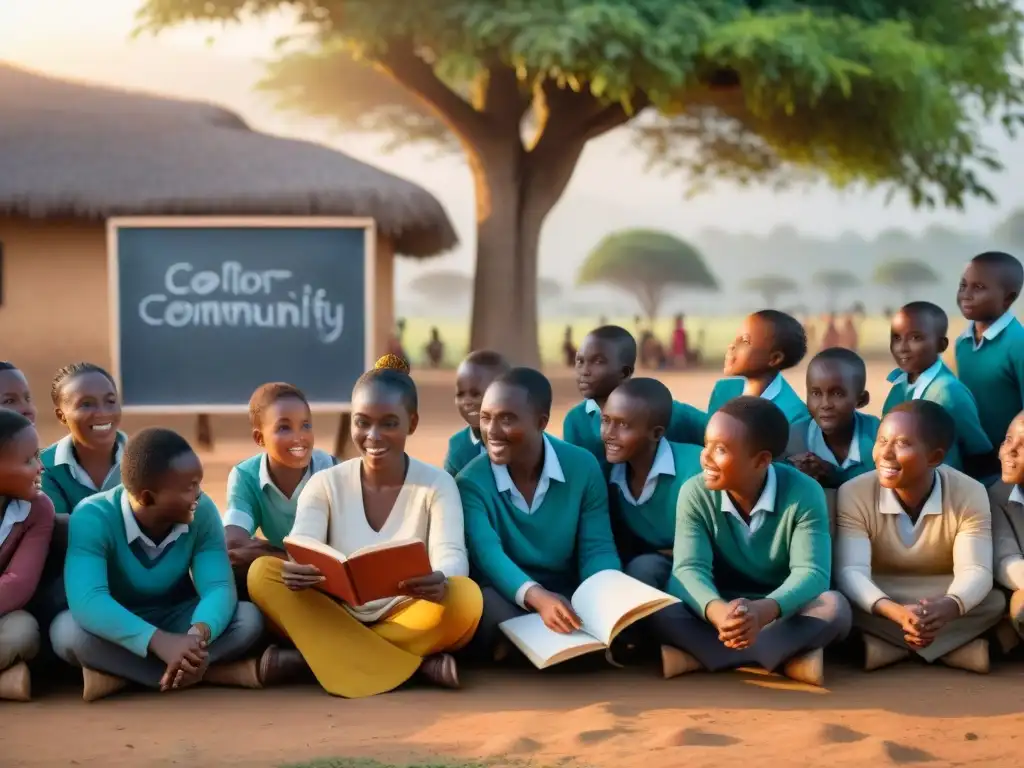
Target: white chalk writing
{"x": 245, "y": 299}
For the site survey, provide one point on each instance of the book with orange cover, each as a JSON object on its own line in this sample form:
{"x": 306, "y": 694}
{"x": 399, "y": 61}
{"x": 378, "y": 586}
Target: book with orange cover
{"x": 368, "y": 574}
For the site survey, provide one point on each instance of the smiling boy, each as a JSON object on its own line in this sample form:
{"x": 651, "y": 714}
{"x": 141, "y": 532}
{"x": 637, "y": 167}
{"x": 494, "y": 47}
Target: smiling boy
{"x": 605, "y": 359}
{"x": 1007, "y": 500}
{"x": 917, "y": 340}
{"x": 472, "y": 378}
{"x": 914, "y": 547}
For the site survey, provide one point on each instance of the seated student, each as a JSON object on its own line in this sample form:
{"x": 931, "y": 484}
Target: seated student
{"x": 1007, "y": 500}
{"x": 751, "y": 558}
{"x": 384, "y": 495}
{"x": 834, "y": 443}
{"x": 917, "y": 340}
{"x": 647, "y": 472}
{"x": 474, "y": 375}
{"x": 15, "y": 394}
{"x": 769, "y": 342}
{"x": 605, "y": 359}
{"x": 536, "y": 511}
{"x": 914, "y": 547}
{"x": 264, "y": 489}
{"x": 149, "y": 582}
{"x": 88, "y": 460}
{"x": 26, "y": 524}
{"x": 990, "y": 352}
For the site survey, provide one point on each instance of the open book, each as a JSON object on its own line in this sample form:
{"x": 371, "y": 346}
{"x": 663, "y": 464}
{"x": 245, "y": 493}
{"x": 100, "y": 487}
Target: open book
{"x": 370, "y": 573}
{"x": 607, "y": 603}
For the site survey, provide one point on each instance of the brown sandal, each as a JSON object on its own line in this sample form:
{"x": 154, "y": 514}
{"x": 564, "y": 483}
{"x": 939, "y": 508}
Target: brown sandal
{"x": 441, "y": 670}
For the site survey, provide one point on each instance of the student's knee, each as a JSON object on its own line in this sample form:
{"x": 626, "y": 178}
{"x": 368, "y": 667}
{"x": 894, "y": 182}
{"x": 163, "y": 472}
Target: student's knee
{"x": 247, "y": 623}
{"x": 263, "y": 577}
{"x": 652, "y": 569}
{"x": 1017, "y": 607}
{"x": 994, "y": 605}
{"x": 833, "y": 608}
{"x": 19, "y": 638}
{"x": 464, "y": 603}
{"x": 69, "y": 641}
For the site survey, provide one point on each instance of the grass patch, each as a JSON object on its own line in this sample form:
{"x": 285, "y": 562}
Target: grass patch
{"x": 344, "y": 762}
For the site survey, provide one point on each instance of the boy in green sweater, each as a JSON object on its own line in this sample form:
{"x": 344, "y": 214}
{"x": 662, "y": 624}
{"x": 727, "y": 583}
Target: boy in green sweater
{"x": 536, "y": 511}
{"x": 917, "y": 341}
{"x": 647, "y": 472}
{"x": 474, "y": 375}
{"x": 149, "y": 583}
{"x": 834, "y": 443}
{"x": 990, "y": 353}
{"x": 768, "y": 343}
{"x": 752, "y": 557}
{"x": 605, "y": 359}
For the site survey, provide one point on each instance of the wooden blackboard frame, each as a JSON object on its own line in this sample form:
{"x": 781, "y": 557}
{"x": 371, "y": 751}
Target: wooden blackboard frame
{"x": 115, "y": 224}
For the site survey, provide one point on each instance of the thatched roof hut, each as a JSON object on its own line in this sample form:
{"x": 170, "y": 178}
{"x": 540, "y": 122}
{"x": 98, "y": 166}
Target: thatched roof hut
{"x": 83, "y": 151}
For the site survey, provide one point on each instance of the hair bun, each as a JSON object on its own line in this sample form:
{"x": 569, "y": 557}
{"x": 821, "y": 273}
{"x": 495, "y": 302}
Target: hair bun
{"x": 391, "y": 362}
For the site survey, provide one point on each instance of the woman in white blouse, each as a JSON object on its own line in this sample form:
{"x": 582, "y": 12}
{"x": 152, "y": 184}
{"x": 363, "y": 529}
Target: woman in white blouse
{"x": 385, "y": 495}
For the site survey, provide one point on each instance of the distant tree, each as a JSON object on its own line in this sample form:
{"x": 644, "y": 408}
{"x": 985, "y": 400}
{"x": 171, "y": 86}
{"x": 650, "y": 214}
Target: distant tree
{"x": 548, "y": 289}
{"x": 1010, "y": 232}
{"x": 834, "y": 282}
{"x": 905, "y": 276}
{"x": 894, "y": 240}
{"x": 770, "y": 287}
{"x": 443, "y": 285}
{"x": 646, "y": 264}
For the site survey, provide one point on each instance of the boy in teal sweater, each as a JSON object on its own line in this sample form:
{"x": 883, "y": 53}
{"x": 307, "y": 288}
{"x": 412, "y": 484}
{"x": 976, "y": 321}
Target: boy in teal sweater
{"x": 769, "y": 342}
{"x": 536, "y": 511}
{"x": 990, "y": 353}
{"x": 917, "y": 339}
{"x": 835, "y": 442}
{"x": 752, "y": 557}
{"x": 647, "y": 472}
{"x": 474, "y": 375}
{"x": 263, "y": 490}
{"x": 149, "y": 583}
{"x": 606, "y": 358}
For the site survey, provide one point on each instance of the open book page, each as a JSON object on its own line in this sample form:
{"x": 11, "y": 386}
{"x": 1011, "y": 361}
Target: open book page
{"x": 314, "y": 545}
{"x": 609, "y": 601}
{"x": 544, "y": 647}
{"x": 382, "y": 545}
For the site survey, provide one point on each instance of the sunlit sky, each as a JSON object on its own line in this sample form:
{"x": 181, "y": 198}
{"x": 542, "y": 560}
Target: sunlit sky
{"x": 91, "y": 40}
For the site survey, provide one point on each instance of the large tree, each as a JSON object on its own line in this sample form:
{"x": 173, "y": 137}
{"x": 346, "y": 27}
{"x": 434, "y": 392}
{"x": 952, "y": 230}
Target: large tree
{"x": 906, "y": 276}
{"x": 770, "y": 287}
{"x": 646, "y": 264}
{"x": 1010, "y": 232}
{"x": 880, "y": 92}
{"x": 833, "y": 282}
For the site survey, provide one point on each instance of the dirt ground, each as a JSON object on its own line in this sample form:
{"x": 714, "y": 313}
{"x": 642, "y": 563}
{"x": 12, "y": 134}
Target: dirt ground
{"x": 615, "y": 718}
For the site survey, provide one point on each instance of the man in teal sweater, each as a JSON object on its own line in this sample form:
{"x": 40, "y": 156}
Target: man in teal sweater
{"x": 606, "y": 358}
{"x": 536, "y": 511}
{"x": 151, "y": 594}
{"x": 752, "y": 557}
{"x": 990, "y": 352}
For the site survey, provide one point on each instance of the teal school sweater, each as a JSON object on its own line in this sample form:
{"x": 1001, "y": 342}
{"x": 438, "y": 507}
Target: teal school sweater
{"x": 653, "y": 523}
{"x": 788, "y": 401}
{"x": 561, "y": 544}
{"x": 951, "y": 393}
{"x": 461, "y": 451}
{"x": 994, "y": 374}
{"x": 60, "y": 485}
{"x": 866, "y": 431}
{"x": 788, "y": 559}
{"x": 584, "y": 429}
{"x": 109, "y": 585}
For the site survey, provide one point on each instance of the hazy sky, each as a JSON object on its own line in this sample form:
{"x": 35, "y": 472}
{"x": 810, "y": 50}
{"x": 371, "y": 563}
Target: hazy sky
{"x": 89, "y": 39}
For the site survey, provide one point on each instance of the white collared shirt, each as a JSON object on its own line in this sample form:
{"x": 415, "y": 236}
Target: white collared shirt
{"x": 765, "y": 505}
{"x": 552, "y": 470}
{"x": 816, "y": 444}
{"x": 477, "y": 441}
{"x": 16, "y": 512}
{"x": 590, "y": 406}
{"x": 133, "y": 532}
{"x": 1016, "y": 495}
{"x": 774, "y": 389}
{"x": 664, "y": 464}
{"x": 318, "y": 460}
{"x": 916, "y": 390}
{"x": 64, "y": 453}
{"x": 889, "y": 504}
{"x": 991, "y": 332}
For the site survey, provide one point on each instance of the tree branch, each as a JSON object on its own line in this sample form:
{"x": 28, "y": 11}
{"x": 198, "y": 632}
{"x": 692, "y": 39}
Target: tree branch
{"x": 502, "y": 97}
{"x": 402, "y": 64}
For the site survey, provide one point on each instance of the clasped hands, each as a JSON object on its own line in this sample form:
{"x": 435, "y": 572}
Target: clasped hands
{"x": 920, "y": 621}
{"x": 186, "y": 656}
{"x": 740, "y": 621}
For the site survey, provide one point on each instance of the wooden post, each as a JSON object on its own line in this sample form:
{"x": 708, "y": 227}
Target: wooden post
{"x": 204, "y": 432}
{"x": 343, "y": 440}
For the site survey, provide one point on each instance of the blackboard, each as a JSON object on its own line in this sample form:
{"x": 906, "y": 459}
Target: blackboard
{"x": 204, "y": 310}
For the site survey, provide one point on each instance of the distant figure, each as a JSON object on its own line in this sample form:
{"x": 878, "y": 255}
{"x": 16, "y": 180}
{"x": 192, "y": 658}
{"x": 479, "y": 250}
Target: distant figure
{"x": 652, "y": 352}
{"x": 830, "y": 338}
{"x": 602, "y": 321}
{"x": 848, "y": 338}
{"x": 639, "y": 321}
{"x": 435, "y": 349}
{"x": 395, "y": 346}
{"x": 568, "y": 348}
{"x": 680, "y": 347}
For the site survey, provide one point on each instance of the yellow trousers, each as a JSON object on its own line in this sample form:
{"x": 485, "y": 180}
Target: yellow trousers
{"x": 353, "y": 659}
